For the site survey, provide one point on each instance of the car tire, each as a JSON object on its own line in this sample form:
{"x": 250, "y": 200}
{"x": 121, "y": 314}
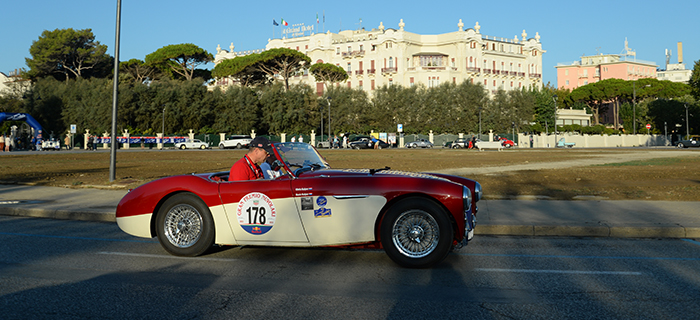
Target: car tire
{"x": 416, "y": 233}
{"x": 680, "y": 145}
{"x": 507, "y": 146}
{"x": 184, "y": 225}
{"x": 203, "y": 147}
{"x": 183, "y": 147}
{"x": 221, "y": 146}
{"x": 238, "y": 146}
{"x": 456, "y": 146}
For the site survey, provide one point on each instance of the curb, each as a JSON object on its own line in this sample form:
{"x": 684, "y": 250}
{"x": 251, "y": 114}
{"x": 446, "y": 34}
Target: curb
{"x": 678, "y": 232}
{"x": 582, "y": 231}
{"x": 59, "y": 214}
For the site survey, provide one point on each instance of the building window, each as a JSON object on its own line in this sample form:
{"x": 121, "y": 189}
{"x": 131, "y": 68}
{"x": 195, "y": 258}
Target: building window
{"x": 349, "y": 69}
{"x": 431, "y": 61}
{"x": 337, "y": 50}
{"x": 360, "y": 85}
{"x": 349, "y": 85}
{"x": 391, "y": 62}
{"x": 372, "y": 84}
{"x": 567, "y": 82}
{"x": 349, "y": 49}
{"x": 362, "y": 48}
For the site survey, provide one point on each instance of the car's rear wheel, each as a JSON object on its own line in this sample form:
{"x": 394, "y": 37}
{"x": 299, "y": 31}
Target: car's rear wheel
{"x": 221, "y": 146}
{"x": 238, "y": 146}
{"x": 184, "y": 225}
{"x": 203, "y": 147}
{"x": 183, "y": 147}
{"x": 416, "y": 233}
{"x": 680, "y": 145}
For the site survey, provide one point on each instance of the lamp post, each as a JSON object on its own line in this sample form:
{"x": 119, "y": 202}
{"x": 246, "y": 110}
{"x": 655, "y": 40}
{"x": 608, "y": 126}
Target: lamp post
{"x": 479, "y": 123}
{"x": 554, "y": 97}
{"x": 329, "y": 122}
{"x": 687, "y": 128}
{"x": 162, "y": 139}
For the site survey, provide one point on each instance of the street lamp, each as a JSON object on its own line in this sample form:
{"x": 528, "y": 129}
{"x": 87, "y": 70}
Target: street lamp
{"x": 479, "y": 123}
{"x": 634, "y": 106}
{"x": 687, "y": 128}
{"x": 329, "y": 122}
{"x": 162, "y": 139}
{"x": 554, "y": 97}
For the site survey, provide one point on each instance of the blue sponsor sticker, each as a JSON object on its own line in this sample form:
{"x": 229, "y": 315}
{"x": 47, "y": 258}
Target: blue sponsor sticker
{"x": 322, "y": 212}
{"x": 321, "y": 201}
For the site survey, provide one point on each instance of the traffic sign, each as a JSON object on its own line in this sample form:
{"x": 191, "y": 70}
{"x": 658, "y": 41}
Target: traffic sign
{"x": 648, "y": 126}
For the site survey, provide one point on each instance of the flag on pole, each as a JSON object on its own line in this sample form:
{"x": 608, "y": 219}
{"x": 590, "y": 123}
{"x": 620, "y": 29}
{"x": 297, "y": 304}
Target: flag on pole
{"x": 274, "y": 23}
{"x": 316, "y": 17}
{"x": 284, "y": 23}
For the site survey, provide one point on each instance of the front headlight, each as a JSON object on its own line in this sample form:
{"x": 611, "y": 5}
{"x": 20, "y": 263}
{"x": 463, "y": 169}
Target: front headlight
{"x": 477, "y": 191}
{"x": 467, "y": 198}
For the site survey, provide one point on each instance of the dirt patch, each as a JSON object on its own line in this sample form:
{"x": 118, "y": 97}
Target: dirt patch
{"x": 644, "y": 174}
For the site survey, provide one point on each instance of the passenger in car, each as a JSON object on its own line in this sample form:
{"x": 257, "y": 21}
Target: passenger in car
{"x": 270, "y": 167}
{"x": 248, "y": 167}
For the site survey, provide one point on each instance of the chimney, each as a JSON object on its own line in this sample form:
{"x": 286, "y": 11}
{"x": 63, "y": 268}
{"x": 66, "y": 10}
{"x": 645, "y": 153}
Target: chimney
{"x": 680, "y": 52}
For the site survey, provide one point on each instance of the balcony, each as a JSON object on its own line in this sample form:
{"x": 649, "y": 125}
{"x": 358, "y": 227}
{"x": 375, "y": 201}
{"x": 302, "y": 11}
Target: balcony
{"x": 535, "y": 75}
{"x": 371, "y": 71}
{"x": 473, "y": 70}
{"x": 388, "y": 70}
{"x": 487, "y": 71}
{"x": 352, "y": 54}
{"x": 359, "y": 72}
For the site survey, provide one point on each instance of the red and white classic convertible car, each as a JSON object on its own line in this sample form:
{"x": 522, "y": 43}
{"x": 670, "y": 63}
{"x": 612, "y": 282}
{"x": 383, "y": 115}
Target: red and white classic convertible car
{"x": 418, "y": 218}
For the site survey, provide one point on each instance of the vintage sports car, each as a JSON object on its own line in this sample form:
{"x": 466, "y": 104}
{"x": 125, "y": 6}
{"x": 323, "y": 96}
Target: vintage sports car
{"x": 192, "y": 144}
{"x": 365, "y": 142}
{"x": 693, "y": 142}
{"x": 417, "y": 218}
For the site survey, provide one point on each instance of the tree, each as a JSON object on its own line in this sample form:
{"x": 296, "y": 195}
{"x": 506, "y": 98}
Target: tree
{"x": 328, "y": 73}
{"x": 243, "y": 69}
{"x": 138, "y": 70}
{"x": 66, "y": 54}
{"x": 695, "y": 80}
{"x": 182, "y": 59}
{"x": 282, "y": 62}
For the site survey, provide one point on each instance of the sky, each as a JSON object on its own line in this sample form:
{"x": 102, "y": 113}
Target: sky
{"x": 568, "y": 29}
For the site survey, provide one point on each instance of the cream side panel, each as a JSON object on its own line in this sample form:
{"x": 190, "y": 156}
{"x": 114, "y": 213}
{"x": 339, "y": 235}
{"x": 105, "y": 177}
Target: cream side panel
{"x": 350, "y": 220}
{"x": 222, "y": 227}
{"x": 286, "y": 231}
{"x": 139, "y": 225}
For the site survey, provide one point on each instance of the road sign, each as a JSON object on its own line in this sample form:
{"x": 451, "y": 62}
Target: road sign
{"x": 72, "y": 128}
{"x": 648, "y": 126}
{"x": 399, "y": 128}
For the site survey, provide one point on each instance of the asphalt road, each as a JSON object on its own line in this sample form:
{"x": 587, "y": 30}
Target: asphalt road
{"x": 52, "y": 269}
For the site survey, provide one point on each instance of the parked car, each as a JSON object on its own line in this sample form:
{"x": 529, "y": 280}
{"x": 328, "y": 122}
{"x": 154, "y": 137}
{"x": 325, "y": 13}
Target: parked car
{"x": 192, "y": 144}
{"x": 236, "y": 141}
{"x": 365, "y": 142}
{"x": 507, "y": 143}
{"x": 563, "y": 144}
{"x": 693, "y": 142}
{"x": 420, "y": 143}
{"x": 417, "y": 218}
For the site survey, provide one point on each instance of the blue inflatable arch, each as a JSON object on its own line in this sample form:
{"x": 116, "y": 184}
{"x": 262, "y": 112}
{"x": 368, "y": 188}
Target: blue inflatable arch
{"x": 22, "y": 117}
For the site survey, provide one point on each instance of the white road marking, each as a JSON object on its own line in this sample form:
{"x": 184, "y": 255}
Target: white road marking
{"x": 160, "y": 256}
{"x": 624, "y": 273}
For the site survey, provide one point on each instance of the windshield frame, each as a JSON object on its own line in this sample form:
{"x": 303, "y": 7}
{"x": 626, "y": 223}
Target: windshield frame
{"x": 298, "y": 157}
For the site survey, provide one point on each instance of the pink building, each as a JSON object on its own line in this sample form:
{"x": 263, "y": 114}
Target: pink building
{"x": 592, "y": 69}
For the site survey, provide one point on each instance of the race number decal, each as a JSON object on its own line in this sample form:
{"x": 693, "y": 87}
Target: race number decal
{"x": 256, "y": 213}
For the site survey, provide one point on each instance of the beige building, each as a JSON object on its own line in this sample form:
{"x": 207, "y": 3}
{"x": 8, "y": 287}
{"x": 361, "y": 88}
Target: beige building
{"x": 387, "y": 56}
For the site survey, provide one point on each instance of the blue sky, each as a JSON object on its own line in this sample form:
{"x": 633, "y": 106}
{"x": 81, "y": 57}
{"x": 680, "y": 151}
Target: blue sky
{"x": 568, "y": 29}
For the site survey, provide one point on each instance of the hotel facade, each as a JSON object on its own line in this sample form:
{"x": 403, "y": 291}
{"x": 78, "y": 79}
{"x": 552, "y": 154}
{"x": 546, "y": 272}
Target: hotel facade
{"x": 387, "y": 56}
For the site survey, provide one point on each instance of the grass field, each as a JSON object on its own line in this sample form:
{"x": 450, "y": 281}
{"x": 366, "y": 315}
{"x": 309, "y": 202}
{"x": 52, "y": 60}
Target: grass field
{"x": 645, "y": 174}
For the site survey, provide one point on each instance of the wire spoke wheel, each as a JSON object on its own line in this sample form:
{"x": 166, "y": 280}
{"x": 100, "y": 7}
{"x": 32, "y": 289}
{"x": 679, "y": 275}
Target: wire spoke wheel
{"x": 183, "y": 226}
{"x": 416, "y": 234}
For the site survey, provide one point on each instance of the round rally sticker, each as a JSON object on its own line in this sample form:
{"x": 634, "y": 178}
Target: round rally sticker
{"x": 256, "y": 213}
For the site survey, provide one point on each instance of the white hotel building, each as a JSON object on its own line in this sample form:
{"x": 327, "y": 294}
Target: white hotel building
{"x": 386, "y": 56}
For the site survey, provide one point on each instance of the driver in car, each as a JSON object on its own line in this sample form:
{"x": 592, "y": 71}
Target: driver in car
{"x": 248, "y": 167}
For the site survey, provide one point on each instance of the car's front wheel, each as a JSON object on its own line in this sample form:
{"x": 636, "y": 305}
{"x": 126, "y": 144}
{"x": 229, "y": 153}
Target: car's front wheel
{"x": 184, "y": 225}
{"x": 203, "y": 147}
{"x": 221, "y": 146}
{"x": 680, "y": 145}
{"x": 183, "y": 147}
{"x": 416, "y": 233}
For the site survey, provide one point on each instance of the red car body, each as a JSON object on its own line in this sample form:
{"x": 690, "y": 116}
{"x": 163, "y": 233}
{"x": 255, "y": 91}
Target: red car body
{"x": 313, "y": 205}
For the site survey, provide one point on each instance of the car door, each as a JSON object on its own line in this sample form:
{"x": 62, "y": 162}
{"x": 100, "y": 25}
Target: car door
{"x": 335, "y": 211}
{"x": 263, "y": 212}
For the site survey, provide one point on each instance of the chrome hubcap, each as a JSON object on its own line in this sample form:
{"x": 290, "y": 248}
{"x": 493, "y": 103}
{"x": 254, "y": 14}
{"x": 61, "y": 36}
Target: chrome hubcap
{"x": 415, "y": 234}
{"x": 183, "y": 225}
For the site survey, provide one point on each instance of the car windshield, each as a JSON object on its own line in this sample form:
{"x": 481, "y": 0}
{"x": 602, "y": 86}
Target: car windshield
{"x": 298, "y": 154}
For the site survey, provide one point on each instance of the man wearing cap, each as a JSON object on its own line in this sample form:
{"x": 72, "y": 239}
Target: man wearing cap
{"x": 248, "y": 167}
